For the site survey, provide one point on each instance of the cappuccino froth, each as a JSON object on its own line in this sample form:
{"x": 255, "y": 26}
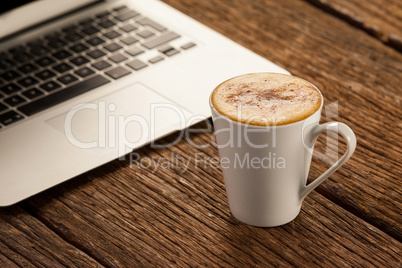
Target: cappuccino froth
{"x": 266, "y": 99}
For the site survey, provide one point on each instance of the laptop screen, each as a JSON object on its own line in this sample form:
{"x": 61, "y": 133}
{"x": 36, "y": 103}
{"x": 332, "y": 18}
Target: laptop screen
{"x": 8, "y": 5}
{"x": 17, "y": 15}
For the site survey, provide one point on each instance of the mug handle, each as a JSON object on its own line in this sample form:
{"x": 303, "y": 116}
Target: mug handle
{"x": 350, "y": 138}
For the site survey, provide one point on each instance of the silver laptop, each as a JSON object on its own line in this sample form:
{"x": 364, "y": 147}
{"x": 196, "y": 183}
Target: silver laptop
{"x": 85, "y": 82}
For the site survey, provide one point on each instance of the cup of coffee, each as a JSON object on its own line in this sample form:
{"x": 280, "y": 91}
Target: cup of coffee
{"x": 266, "y": 125}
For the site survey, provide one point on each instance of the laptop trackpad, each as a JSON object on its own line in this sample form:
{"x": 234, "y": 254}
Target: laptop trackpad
{"x": 132, "y": 116}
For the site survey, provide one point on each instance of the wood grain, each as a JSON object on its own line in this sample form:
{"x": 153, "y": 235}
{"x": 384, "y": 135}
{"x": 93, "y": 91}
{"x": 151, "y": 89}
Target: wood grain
{"x": 354, "y": 71}
{"x": 135, "y": 215}
{"x": 26, "y": 242}
{"x": 382, "y": 19}
{"x": 125, "y": 214}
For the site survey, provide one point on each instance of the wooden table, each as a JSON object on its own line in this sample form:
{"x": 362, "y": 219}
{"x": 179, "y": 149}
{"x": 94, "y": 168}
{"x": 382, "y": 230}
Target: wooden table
{"x": 126, "y": 216}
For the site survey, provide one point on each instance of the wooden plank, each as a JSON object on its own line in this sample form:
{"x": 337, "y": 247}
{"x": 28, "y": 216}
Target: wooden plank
{"x": 26, "y": 242}
{"x": 355, "y": 72}
{"x": 382, "y": 19}
{"x": 137, "y": 215}
{"x": 122, "y": 216}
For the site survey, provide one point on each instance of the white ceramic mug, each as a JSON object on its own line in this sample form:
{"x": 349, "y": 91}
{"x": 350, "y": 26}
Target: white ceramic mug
{"x": 265, "y": 168}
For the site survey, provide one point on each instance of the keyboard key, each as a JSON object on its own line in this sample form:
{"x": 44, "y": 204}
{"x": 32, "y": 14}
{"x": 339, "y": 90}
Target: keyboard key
{"x": 32, "y": 43}
{"x": 78, "y": 48}
{"x": 169, "y": 50}
{"x": 113, "y": 47}
{"x": 2, "y": 107}
{"x": 106, "y": 24}
{"x": 120, "y": 8}
{"x": 67, "y": 79}
{"x": 117, "y": 72}
{"x": 156, "y": 59}
{"x": 39, "y": 50}
{"x": 28, "y": 81}
{"x": 72, "y": 37}
{"x": 62, "y": 54}
{"x": 22, "y": 57}
{"x": 10, "y": 117}
{"x": 50, "y": 86}
{"x": 80, "y": 60}
{"x": 134, "y": 51}
{"x": 27, "y": 68}
{"x": 46, "y": 74}
{"x": 56, "y": 43}
{"x": 162, "y": 39}
{"x": 95, "y": 41}
{"x": 43, "y": 62}
{"x": 112, "y": 34}
{"x": 137, "y": 64}
{"x": 84, "y": 72}
{"x": 129, "y": 40}
{"x": 145, "y": 21}
{"x": 101, "y": 65}
{"x": 127, "y": 15}
{"x": 95, "y": 54}
{"x": 15, "y": 100}
{"x": 6, "y": 64}
{"x": 69, "y": 28}
{"x": 145, "y": 33}
{"x": 10, "y": 89}
{"x": 188, "y": 45}
{"x": 52, "y": 35}
{"x": 128, "y": 28}
{"x": 21, "y": 48}
{"x": 32, "y": 93}
{"x": 85, "y": 21}
{"x": 90, "y": 30}
{"x": 10, "y": 75}
{"x": 102, "y": 15}
{"x": 62, "y": 67}
{"x": 63, "y": 95}
{"x": 118, "y": 58}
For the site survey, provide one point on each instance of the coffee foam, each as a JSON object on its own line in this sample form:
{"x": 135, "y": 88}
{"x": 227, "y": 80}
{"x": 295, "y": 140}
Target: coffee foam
{"x": 266, "y": 99}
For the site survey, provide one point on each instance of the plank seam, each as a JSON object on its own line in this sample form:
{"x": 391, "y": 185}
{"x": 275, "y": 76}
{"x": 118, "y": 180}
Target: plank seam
{"x": 392, "y": 41}
{"x": 53, "y": 229}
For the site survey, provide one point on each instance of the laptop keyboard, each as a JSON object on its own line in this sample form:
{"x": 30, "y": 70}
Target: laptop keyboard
{"x": 78, "y": 58}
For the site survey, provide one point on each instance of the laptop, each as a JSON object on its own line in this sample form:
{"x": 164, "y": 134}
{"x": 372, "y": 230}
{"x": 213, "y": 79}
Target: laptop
{"x": 85, "y": 82}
